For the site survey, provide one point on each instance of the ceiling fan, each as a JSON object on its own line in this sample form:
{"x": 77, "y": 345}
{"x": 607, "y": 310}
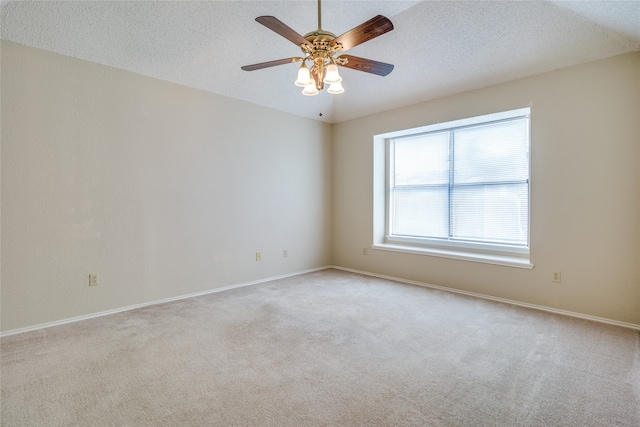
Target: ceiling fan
{"x": 321, "y": 48}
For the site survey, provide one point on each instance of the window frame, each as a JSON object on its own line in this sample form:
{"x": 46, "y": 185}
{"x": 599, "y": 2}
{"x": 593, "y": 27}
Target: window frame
{"x": 515, "y": 255}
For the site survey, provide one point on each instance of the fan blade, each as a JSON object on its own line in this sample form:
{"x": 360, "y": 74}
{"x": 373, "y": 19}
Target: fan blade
{"x": 274, "y": 24}
{"x": 270, "y": 64}
{"x": 373, "y": 28}
{"x": 367, "y": 65}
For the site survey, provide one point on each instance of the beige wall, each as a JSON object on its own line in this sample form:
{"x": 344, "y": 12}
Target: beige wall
{"x": 585, "y": 200}
{"x": 161, "y": 189}
{"x": 165, "y": 190}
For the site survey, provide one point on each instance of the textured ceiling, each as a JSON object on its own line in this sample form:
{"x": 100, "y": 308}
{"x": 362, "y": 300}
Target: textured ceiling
{"x": 438, "y": 47}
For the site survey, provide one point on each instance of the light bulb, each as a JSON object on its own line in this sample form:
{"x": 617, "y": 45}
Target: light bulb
{"x": 332, "y": 75}
{"x": 310, "y": 89}
{"x": 335, "y": 88}
{"x": 303, "y": 76}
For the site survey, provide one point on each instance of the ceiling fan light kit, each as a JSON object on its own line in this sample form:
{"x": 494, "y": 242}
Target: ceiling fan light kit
{"x": 310, "y": 90}
{"x": 304, "y": 78}
{"x": 332, "y": 75}
{"x": 321, "y": 48}
{"x": 335, "y": 88}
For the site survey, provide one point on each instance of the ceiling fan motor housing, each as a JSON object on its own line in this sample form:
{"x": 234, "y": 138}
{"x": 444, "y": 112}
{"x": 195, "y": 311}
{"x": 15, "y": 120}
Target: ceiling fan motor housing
{"x": 321, "y": 41}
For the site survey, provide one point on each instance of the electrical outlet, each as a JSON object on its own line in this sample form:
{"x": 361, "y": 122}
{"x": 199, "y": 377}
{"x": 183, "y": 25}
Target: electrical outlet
{"x": 365, "y": 251}
{"x": 258, "y": 256}
{"x": 94, "y": 280}
{"x": 557, "y": 277}
{"x": 284, "y": 253}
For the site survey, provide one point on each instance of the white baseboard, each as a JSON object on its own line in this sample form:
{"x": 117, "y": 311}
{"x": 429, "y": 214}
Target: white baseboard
{"x": 488, "y": 297}
{"x": 366, "y": 273}
{"x": 146, "y": 304}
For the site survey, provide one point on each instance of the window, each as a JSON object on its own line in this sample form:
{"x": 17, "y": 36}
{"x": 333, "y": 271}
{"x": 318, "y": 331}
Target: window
{"x": 460, "y": 188}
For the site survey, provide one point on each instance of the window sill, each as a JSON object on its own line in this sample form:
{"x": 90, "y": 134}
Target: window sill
{"x": 507, "y": 261}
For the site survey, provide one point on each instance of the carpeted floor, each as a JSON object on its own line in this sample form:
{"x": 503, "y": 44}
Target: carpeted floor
{"x": 328, "y": 348}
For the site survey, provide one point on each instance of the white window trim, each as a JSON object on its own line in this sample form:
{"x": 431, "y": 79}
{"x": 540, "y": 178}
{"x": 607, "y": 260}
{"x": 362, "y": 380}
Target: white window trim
{"x": 511, "y": 256}
{"x": 507, "y": 261}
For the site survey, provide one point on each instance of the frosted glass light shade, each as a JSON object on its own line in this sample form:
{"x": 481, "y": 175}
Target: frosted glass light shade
{"x": 332, "y": 75}
{"x": 304, "y": 78}
{"x": 335, "y": 88}
{"x": 310, "y": 89}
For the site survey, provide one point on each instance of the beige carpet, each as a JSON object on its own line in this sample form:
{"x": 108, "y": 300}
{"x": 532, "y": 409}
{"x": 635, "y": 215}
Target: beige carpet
{"x": 324, "y": 349}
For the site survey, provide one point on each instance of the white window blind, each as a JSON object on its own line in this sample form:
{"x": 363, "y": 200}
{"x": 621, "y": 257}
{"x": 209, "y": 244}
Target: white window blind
{"x": 464, "y": 183}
